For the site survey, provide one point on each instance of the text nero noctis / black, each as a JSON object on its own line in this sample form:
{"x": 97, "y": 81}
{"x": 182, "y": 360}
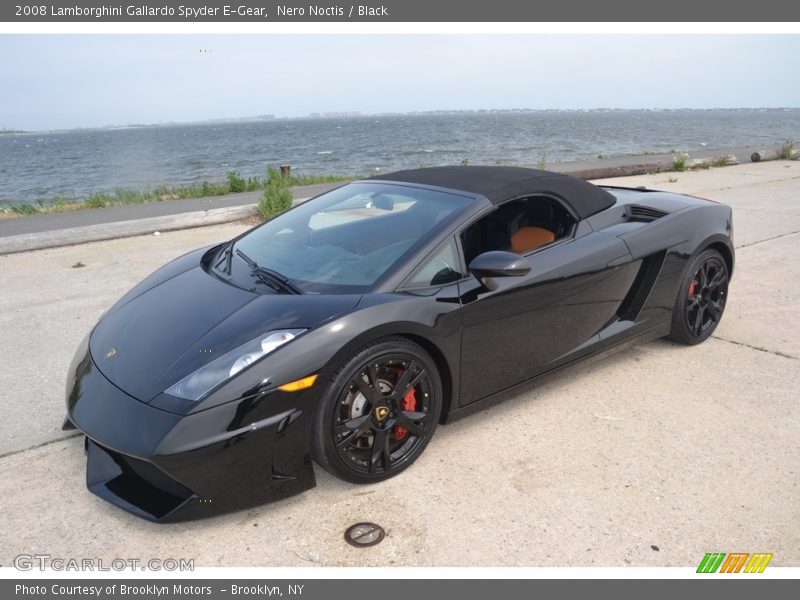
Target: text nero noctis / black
{"x": 333, "y": 10}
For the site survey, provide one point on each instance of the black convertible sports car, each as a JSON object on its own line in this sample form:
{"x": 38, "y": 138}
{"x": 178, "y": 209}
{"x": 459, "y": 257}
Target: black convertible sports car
{"x": 345, "y": 329}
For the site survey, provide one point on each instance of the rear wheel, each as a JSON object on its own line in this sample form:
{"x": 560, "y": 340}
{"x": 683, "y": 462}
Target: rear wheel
{"x": 701, "y": 299}
{"x": 379, "y": 412}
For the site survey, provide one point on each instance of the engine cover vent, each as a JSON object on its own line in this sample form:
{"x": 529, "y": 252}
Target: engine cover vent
{"x": 644, "y": 214}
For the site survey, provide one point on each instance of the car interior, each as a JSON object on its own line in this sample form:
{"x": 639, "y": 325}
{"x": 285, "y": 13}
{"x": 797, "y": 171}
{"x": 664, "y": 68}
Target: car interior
{"x": 520, "y": 226}
{"x": 388, "y": 224}
{"x": 351, "y": 242}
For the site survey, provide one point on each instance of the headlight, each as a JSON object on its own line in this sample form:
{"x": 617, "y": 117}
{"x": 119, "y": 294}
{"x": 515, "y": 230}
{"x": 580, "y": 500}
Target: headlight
{"x": 206, "y": 378}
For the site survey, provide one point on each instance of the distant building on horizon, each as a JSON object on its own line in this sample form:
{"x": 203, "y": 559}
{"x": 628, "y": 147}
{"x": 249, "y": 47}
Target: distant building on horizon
{"x": 335, "y": 114}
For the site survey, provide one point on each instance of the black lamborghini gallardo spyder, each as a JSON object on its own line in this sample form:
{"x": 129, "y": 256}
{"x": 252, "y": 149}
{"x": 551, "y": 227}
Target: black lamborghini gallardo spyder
{"x": 346, "y": 329}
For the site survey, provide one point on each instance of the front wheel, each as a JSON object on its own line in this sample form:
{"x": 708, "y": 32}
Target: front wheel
{"x": 379, "y": 412}
{"x": 701, "y": 299}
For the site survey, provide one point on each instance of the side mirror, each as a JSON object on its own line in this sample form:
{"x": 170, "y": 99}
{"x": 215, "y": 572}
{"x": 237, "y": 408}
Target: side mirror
{"x": 498, "y": 263}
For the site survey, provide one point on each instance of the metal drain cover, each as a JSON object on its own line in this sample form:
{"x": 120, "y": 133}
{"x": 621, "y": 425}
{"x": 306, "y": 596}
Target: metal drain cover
{"x": 362, "y": 535}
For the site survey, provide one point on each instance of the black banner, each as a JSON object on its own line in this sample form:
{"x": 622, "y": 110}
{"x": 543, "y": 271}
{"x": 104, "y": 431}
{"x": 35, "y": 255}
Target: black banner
{"x": 393, "y": 11}
{"x": 388, "y": 589}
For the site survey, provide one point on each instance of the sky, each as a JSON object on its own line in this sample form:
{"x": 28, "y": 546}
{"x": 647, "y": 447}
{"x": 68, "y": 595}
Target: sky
{"x": 55, "y": 81}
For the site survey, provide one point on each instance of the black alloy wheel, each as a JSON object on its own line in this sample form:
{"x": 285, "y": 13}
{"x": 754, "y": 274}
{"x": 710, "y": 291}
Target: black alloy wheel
{"x": 379, "y": 412}
{"x": 701, "y": 299}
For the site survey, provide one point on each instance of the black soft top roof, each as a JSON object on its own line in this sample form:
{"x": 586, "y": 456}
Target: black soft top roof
{"x": 499, "y": 184}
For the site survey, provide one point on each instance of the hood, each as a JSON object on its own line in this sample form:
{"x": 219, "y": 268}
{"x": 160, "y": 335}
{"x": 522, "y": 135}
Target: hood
{"x": 151, "y": 341}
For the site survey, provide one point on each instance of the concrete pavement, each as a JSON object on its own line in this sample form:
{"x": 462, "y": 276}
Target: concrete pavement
{"x": 649, "y": 458}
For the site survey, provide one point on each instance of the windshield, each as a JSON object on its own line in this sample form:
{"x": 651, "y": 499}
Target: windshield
{"x": 346, "y": 240}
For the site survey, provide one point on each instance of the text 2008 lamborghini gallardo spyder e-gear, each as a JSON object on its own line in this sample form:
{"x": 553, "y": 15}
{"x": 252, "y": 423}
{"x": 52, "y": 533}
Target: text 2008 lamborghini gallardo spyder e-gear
{"x": 344, "y": 330}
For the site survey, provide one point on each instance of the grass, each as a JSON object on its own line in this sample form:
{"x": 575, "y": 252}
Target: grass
{"x": 25, "y": 209}
{"x": 234, "y": 184}
{"x": 788, "y": 152}
{"x": 722, "y": 161}
{"x": 314, "y": 179}
{"x": 277, "y": 195}
{"x": 679, "y": 161}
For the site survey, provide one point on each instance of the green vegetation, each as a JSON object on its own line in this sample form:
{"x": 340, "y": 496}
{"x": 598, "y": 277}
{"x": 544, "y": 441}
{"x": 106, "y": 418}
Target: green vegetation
{"x": 788, "y": 152}
{"x": 314, "y": 179}
{"x": 465, "y": 162}
{"x": 679, "y": 161}
{"x": 542, "y": 162}
{"x": 722, "y": 161}
{"x": 234, "y": 184}
{"x": 25, "y": 209}
{"x": 277, "y": 195}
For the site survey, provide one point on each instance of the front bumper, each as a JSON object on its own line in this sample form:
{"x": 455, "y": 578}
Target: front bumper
{"x": 168, "y": 467}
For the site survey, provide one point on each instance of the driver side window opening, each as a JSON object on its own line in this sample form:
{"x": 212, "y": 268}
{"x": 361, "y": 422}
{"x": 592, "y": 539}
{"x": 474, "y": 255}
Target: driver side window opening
{"x": 520, "y": 226}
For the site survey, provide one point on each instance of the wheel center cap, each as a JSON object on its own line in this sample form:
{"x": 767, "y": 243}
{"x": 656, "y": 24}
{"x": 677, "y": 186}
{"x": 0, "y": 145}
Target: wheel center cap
{"x": 380, "y": 412}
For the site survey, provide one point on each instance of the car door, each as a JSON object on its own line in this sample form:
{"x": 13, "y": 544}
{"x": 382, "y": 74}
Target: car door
{"x": 533, "y": 323}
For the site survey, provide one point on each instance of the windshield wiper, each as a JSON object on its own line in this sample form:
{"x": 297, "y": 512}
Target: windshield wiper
{"x": 272, "y": 278}
{"x": 225, "y": 259}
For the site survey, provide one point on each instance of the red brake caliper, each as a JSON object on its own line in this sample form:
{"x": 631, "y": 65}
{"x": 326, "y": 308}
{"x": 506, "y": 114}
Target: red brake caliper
{"x": 409, "y": 403}
{"x": 692, "y": 287}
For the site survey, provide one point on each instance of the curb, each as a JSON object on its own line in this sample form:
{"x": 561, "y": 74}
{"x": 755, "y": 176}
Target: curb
{"x": 122, "y": 229}
{"x": 620, "y": 171}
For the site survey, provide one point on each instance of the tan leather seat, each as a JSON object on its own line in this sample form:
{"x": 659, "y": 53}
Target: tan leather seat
{"x": 529, "y": 238}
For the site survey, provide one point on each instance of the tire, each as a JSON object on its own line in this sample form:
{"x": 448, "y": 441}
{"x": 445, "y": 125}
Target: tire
{"x": 379, "y": 411}
{"x": 701, "y": 299}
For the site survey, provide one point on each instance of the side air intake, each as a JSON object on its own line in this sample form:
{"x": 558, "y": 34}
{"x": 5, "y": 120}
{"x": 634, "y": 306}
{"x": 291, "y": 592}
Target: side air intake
{"x": 643, "y": 214}
{"x": 642, "y": 286}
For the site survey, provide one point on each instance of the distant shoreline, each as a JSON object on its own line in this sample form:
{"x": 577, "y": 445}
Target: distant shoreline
{"x": 358, "y": 115}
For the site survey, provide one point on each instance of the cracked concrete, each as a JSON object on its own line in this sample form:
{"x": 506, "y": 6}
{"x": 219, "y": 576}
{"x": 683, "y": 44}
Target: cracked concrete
{"x": 686, "y": 449}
